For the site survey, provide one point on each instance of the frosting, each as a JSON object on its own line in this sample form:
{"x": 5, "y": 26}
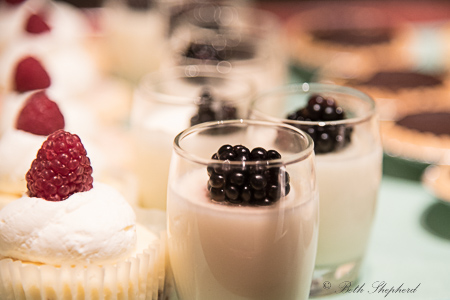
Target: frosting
{"x": 97, "y": 226}
{"x": 17, "y": 150}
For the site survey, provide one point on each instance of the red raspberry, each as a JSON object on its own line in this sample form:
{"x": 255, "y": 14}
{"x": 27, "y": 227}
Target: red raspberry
{"x": 36, "y": 24}
{"x": 61, "y": 168}
{"x": 40, "y": 115}
{"x": 30, "y": 75}
{"x": 14, "y": 2}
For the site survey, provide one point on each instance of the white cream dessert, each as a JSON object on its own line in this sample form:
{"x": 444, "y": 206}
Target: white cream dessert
{"x": 69, "y": 237}
{"x": 101, "y": 238}
{"x": 348, "y": 187}
{"x": 249, "y": 246}
{"x": 348, "y": 165}
{"x": 164, "y": 105}
{"x": 139, "y": 25}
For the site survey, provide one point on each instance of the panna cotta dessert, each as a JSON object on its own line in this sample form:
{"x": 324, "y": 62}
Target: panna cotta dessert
{"x": 89, "y": 243}
{"x": 167, "y": 102}
{"x": 242, "y": 222}
{"x": 343, "y": 125}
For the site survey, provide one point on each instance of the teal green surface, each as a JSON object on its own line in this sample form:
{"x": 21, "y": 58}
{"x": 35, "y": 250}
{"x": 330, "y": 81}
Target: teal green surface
{"x": 410, "y": 241}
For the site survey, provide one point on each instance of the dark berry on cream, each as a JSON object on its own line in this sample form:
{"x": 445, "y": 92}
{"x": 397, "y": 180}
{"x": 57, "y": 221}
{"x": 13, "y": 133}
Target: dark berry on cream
{"x": 256, "y": 183}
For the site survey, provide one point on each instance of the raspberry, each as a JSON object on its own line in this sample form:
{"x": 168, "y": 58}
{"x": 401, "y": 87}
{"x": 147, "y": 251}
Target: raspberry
{"x": 14, "y": 2}
{"x": 30, "y": 75}
{"x": 40, "y": 115}
{"x": 61, "y": 168}
{"x": 36, "y": 24}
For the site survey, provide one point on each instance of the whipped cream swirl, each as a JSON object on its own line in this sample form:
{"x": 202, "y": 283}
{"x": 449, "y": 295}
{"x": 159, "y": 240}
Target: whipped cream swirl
{"x": 97, "y": 226}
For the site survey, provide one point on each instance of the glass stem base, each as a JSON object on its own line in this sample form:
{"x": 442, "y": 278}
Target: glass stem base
{"x": 331, "y": 280}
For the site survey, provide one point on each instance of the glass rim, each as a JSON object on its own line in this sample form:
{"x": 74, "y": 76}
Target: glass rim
{"x": 189, "y": 71}
{"x": 293, "y": 158}
{"x": 306, "y": 87}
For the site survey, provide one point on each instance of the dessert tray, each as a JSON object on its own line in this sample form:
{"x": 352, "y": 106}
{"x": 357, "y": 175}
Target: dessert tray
{"x": 436, "y": 179}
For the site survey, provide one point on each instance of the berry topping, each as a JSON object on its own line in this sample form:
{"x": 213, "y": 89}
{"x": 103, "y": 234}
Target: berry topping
{"x": 40, "y": 115}
{"x": 258, "y": 183}
{"x": 30, "y": 75}
{"x": 36, "y": 24}
{"x": 326, "y": 138}
{"x": 207, "y": 112}
{"x": 61, "y": 168}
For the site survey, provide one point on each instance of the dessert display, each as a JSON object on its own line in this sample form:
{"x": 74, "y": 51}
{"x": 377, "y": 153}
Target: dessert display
{"x": 242, "y": 224}
{"x": 89, "y": 244}
{"x": 168, "y": 102}
{"x": 342, "y": 123}
{"x": 343, "y": 40}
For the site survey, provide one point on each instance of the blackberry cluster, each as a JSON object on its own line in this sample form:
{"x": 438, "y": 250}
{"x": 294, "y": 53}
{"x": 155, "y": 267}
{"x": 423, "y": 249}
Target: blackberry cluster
{"x": 206, "y": 112}
{"x": 256, "y": 184}
{"x": 326, "y": 138}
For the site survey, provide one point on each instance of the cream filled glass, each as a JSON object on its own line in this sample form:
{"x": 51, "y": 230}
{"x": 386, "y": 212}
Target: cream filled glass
{"x": 169, "y": 101}
{"x": 344, "y": 127}
{"x": 242, "y": 212}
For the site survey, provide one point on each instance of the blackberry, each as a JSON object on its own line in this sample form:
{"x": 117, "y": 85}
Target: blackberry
{"x": 207, "y": 112}
{"x": 243, "y": 184}
{"x": 326, "y": 138}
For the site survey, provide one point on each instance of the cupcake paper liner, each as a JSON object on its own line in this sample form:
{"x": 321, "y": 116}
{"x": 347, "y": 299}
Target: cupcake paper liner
{"x": 137, "y": 278}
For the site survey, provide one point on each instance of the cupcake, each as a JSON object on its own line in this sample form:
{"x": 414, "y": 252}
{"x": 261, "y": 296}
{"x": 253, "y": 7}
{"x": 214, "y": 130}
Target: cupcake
{"x": 59, "y": 36}
{"x": 348, "y": 40}
{"x": 29, "y": 119}
{"x": 69, "y": 237}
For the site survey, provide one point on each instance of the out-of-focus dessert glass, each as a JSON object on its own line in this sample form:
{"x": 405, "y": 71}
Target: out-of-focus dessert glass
{"x": 235, "y": 40}
{"x": 348, "y": 164}
{"x": 169, "y": 101}
{"x": 135, "y": 37}
{"x": 256, "y": 245}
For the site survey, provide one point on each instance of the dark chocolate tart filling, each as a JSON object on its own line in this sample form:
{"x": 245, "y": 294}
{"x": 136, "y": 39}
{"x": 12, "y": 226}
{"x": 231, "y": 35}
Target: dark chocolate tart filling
{"x": 437, "y": 123}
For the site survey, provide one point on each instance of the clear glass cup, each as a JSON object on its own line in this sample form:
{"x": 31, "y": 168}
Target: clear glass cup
{"x": 169, "y": 101}
{"x": 246, "y": 41}
{"x": 348, "y": 173}
{"x": 256, "y": 243}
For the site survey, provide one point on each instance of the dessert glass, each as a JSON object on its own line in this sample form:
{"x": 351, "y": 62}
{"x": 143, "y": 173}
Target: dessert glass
{"x": 246, "y": 42}
{"x": 348, "y": 178}
{"x": 164, "y": 104}
{"x": 236, "y": 251}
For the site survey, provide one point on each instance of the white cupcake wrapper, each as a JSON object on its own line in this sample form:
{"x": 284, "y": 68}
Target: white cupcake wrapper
{"x": 138, "y": 278}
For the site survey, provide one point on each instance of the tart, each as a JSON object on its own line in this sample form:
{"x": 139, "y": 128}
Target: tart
{"x": 421, "y": 136}
{"x": 342, "y": 39}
